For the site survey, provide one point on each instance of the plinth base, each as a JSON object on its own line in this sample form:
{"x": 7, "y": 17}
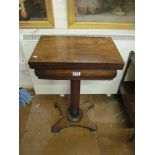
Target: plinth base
{"x": 75, "y": 118}
{"x": 66, "y": 120}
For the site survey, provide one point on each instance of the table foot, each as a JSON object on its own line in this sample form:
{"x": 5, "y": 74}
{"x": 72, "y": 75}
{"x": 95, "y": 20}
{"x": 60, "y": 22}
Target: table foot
{"x": 66, "y": 120}
{"x": 75, "y": 118}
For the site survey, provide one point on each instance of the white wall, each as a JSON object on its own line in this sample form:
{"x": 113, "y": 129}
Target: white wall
{"x": 62, "y": 87}
{"x": 24, "y": 74}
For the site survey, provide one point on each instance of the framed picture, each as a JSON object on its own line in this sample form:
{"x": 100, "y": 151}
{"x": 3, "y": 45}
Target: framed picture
{"x": 35, "y": 14}
{"x": 108, "y": 14}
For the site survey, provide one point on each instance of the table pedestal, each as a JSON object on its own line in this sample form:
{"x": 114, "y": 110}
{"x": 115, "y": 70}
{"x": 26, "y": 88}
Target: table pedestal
{"x": 73, "y": 114}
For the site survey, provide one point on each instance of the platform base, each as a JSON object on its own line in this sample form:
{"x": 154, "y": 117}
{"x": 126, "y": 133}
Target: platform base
{"x": 66, "y": 120}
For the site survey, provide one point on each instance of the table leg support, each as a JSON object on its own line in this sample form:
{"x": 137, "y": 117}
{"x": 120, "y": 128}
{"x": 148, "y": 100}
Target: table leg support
{"x": 74, "y": 113}
{"x": 73, "y": 116}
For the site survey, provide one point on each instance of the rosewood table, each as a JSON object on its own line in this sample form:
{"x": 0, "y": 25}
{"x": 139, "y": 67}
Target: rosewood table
{"x": 75, "y": 58}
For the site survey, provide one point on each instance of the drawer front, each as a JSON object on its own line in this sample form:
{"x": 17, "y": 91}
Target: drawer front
{"x": 75, "y": 74}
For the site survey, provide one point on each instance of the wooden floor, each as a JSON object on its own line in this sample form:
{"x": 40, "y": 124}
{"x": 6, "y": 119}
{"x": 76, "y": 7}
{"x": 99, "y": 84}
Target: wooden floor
{"x": 111, "y": 138}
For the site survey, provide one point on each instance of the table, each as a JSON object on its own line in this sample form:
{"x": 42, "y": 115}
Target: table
{"x": 75, "y": 58}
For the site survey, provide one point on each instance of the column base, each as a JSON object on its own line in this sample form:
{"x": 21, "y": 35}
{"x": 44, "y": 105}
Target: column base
{"x": 66, "y": 120}
{"x": 74, "y": 118}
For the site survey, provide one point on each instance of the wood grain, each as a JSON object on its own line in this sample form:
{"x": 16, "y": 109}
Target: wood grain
{"x": 68, "y": 74}
{"x": 53, "y": 52}
{"x": 74, "y": 59}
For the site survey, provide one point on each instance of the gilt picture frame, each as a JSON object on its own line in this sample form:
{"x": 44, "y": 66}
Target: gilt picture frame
{"x": 79, "y": 20}
{"x": 46, "y": 21}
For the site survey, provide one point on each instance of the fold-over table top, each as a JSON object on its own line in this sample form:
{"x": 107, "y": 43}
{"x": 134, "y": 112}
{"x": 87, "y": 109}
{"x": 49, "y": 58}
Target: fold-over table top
{"x": 74, "y": 52}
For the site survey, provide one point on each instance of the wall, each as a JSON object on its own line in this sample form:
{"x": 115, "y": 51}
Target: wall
{"x": 24, "y": 75}
{"x": 124, "y": 40}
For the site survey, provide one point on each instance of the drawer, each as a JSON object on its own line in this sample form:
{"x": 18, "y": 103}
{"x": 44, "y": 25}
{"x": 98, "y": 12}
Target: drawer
{"x": 91, "y": 74}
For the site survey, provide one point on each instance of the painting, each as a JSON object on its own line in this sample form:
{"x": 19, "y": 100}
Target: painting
{"x": 119, "y": 14}
{"x": 35, "y": 14}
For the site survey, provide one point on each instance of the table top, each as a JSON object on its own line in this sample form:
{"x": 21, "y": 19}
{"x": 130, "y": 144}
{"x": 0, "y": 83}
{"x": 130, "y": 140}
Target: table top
{"x": 74, "y": 52}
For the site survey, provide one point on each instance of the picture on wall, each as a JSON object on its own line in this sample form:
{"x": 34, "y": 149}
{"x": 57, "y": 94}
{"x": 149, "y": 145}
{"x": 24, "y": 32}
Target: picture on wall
{"x": 116, "y": 11}
{"x": 35, "y": 14}
{"x": 32, "y": 10}
{"x": 101, "y": 13}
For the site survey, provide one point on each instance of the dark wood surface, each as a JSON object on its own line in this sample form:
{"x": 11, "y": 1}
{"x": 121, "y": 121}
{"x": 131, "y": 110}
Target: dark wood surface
{"x": 90, "y": 74}
{"x": 127, "y": 94}
{"x": 58, "y": 52}
{"x": 75, "y": 58}
{"x": 75, "y": 97}
{"x": 126, "y": 89}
